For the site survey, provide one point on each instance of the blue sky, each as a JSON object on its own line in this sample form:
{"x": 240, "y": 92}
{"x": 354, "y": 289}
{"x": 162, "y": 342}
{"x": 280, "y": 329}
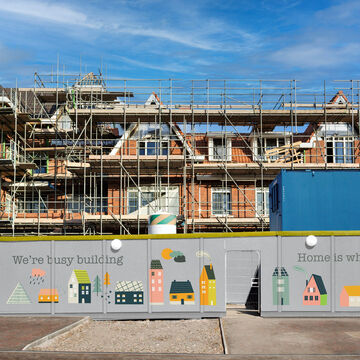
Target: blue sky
{"x": 289, "y": 39}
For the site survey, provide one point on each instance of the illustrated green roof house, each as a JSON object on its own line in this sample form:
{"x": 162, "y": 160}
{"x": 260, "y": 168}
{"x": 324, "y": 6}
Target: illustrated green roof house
{"x": 280, "y": 285}
{"x": 315, "y": 292}
{"x": 19, "y": 296}
{"x": 207, "y": 286}
{"x": 182, "y": 293}
{"x": 129, "y": 293}
{"x": 79, "y": 287}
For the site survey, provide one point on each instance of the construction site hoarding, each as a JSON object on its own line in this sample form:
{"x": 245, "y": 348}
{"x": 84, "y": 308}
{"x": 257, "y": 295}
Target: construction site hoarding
{"x": 181, "y": 276}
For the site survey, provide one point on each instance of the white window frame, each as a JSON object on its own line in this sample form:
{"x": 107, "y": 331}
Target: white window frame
{"x": 257, "y": 150}
{"x": 262, "y": 211}
{"x": 156, "y": 141}
{"x": 163, "y": 204}
{"x": 344, "y": 140}
{"x": 228, "y": 149}
{"x": 221, "y": 190}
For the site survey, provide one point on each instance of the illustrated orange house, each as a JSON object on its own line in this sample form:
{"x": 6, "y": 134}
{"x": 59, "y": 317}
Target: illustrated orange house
{"x": 350, "y": 296}
{"x": 181, "y": 293}
{"x": 48, "y": 296}
{"x": 207, "y": 286}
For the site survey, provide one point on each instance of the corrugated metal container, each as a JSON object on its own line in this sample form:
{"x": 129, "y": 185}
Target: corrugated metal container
{"x": 315, "y": 200}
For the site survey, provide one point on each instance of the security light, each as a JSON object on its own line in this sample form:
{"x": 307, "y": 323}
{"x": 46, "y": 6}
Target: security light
{"x": 116, "y": 244}
{"x": 311, "y": 241}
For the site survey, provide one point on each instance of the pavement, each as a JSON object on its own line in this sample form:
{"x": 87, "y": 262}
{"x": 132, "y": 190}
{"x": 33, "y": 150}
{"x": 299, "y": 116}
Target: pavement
{"x": 133, "y": 356}
{"x": 18, "y": 331}
{"x": 247, "y": 336}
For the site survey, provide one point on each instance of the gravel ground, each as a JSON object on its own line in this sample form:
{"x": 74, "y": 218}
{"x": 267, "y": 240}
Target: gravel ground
{"x": 152, "y": 336}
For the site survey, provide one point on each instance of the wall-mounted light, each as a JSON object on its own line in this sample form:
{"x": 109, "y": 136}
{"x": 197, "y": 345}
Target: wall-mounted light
{"x": 116, "y": 245}
{"x": 311, "y": 241}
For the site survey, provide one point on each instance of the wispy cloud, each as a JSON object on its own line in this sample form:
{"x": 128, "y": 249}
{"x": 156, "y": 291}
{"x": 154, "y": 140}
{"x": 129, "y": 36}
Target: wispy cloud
{"x": 344, "y": 13}
{"x": 57, "y": 13}
{"x": 326, "y": 41}
{"x": 315, "y": 55}
{"x": 280, "y": 5}
{"x": 167, "y": 67}
{"x": 10, "y": 56}
{"x": 238, "y": 38}
{"x": 170, "y": 35}
{"x": 203, "y": 33}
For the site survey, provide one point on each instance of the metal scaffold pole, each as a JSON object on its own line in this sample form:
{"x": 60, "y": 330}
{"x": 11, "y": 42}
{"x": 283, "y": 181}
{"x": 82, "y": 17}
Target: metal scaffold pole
{"x": 86, "y": 155}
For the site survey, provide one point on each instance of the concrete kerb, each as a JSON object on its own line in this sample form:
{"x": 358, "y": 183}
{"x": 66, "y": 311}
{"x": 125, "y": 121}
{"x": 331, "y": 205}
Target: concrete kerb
{"x": 56, "y": 333}
{"x": 223, "y": 338}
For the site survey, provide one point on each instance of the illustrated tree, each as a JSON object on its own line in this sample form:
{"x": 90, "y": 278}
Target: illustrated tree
{"x": 107, "y": 279}
{"x": 97, "y": 285}
{"x": 107, "y": 293}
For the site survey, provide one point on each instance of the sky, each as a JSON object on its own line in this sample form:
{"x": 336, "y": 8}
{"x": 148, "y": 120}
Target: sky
{"x": 310, "y": 41}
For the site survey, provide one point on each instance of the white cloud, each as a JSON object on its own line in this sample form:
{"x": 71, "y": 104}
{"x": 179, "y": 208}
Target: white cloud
{"x": 315, "y": 55}
{"x": 344, "y": 13}
{"x": 58, "y": 13}
{"x": 142, "y": 64}
{"x": 208, "y": 34}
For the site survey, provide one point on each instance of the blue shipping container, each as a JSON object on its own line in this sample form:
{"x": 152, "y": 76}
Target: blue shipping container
{"x": 315, "y": 200}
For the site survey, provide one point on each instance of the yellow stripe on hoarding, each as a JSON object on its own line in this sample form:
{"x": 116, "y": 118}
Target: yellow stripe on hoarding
{"x": 179, "y": 236}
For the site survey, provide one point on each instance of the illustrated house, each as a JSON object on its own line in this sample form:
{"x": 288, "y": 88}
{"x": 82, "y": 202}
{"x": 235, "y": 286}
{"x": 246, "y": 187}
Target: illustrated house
{"x": 280, "y": 285}
{"x": 182, "y": 293}
{"x": 156, "y": 283}
{"x": 315, "y": 292}
{"x": 48, "y": 296}
{"x": 350, "y": 296}
{"x": 207, "y": 286}
{"x": 129, "y": 292}
{"x": 79, "y": 287}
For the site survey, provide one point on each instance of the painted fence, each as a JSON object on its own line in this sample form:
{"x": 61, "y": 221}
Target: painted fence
{"x": 146, "y": 278}
{"x": 297, "y": 280}
{"x": 177, "y": 276}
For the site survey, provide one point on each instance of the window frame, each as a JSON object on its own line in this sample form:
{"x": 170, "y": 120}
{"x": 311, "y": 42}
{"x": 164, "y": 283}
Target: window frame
{"x": 30, "y": 205}
{"x": 257, "y": 149}
{"x": 221, "y": 190}
{"x": 41, "y": 158}
{"x": 133, "y": 194}
{"x": 144, "y": 150}
{"x": 227, "y": 149}
{"x": 344, "y": 140}
{"x": 266, "y": 191}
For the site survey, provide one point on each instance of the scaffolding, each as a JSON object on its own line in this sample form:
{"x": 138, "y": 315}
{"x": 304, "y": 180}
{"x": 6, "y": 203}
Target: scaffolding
{"x": 84, "y": 154}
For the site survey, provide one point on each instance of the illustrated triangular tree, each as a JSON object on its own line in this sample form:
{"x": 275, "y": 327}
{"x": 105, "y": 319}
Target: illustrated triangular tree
{"x": 107, "y": 279}
{"x": 106, "y": 282}
{"x": 19, "y": 296}
{"x": 97, "y": 285}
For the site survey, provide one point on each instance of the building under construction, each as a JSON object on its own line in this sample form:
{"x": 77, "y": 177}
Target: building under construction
{"x": 83, "y": 154}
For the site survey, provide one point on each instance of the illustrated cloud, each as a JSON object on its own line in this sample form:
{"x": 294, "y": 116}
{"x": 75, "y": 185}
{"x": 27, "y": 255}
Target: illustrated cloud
{"x": 178, "y": 256}
{"x": 202, "y": 253}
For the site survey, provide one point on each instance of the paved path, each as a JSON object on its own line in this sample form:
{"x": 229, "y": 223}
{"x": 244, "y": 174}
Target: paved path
{"x": 248, "y": 337}
{"x": 102, "y": 356}
{"x": 133, "y": 356}
{"x": 18, "y": 331}
{"x": 247, "y": 333}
